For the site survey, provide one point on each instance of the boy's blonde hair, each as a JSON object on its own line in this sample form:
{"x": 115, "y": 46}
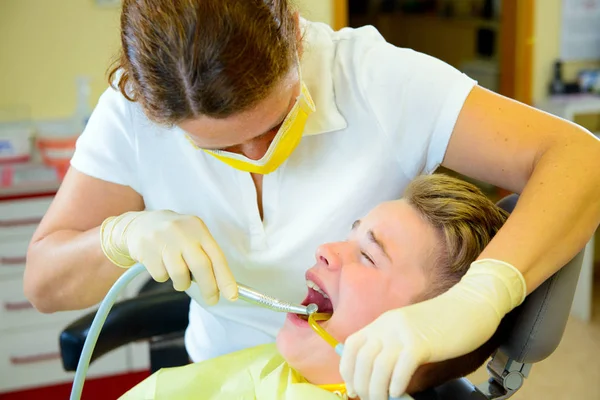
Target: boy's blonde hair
{"x": 465, "y": 219}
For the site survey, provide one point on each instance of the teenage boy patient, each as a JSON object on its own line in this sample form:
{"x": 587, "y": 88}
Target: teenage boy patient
{"x": 402, "y": 252}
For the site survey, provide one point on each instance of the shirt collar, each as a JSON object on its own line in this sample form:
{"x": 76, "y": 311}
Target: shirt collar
{"x": 317, "y": 72}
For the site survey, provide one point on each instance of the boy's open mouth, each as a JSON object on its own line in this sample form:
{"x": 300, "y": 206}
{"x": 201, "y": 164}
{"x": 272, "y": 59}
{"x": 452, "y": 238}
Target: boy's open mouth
{"x": 319, "y": 297}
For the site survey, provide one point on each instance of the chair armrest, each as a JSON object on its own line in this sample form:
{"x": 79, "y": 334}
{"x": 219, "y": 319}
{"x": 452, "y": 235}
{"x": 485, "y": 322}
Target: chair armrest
{"x": 139, "y": 318}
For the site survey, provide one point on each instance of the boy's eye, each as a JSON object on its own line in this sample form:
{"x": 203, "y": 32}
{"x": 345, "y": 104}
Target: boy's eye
{"x": 366, "y": 256}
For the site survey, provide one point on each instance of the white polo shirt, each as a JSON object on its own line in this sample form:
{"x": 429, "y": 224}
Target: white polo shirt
{"x": 384, "y": 115}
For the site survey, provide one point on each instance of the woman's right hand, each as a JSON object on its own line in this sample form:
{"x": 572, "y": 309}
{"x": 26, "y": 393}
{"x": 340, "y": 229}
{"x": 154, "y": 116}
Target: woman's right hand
{"x": 170, "y": 245}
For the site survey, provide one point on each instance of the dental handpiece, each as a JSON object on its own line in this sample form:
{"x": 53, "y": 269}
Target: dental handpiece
{"x": 255, "y": 297}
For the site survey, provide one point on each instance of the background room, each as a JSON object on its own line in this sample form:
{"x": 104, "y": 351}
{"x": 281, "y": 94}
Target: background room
{"x": 54, "y": 57}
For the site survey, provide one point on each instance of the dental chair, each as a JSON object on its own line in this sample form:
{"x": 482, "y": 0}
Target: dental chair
{"x": 160, "y": 315}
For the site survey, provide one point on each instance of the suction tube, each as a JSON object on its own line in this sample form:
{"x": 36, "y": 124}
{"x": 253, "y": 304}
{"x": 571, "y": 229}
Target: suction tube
{"x": 94, "y": 332}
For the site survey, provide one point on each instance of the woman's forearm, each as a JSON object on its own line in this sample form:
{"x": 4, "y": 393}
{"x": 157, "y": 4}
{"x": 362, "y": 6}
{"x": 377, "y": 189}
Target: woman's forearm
{"x": 557, "y": 213}
{"x": 67, "y": 270}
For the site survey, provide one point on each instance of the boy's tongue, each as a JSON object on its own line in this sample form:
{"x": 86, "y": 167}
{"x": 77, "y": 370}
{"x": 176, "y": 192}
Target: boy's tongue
{"x": 317, "y": 298}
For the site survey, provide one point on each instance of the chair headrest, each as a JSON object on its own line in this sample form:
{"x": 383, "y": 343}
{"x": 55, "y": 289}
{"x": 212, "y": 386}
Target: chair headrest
{"x": 537, "y": 325}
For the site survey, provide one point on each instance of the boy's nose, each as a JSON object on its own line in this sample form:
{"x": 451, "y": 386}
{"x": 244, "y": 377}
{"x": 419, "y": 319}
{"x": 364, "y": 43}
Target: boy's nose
{"x": 331, "y": 255}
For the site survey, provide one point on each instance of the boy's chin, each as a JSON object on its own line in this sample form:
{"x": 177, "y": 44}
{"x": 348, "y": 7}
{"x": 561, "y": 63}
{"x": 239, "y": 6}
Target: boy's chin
{"x": 284, "y": 342}
{"x": 290, "y": 345}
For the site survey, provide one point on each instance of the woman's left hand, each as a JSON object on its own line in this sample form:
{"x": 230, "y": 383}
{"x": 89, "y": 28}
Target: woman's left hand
{"x": 380, "y": 359}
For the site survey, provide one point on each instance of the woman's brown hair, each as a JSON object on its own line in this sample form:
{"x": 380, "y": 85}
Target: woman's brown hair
{"x": 182, "y": 59}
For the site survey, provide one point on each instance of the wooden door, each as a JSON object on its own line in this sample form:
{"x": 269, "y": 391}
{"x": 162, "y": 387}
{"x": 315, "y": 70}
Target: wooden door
{"x": 340, "y": 13}
{"x": 516, "y": 49}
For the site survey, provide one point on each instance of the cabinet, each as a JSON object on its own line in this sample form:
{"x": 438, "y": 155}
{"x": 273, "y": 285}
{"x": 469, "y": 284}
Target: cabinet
{"x": 29, "y": 347}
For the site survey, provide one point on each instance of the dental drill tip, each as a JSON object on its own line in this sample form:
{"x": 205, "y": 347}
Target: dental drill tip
{"x": 311, "y": 309}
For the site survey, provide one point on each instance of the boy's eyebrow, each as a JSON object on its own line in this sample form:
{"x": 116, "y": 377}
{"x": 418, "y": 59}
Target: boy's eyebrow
{"x": 379, "y": 244}
{"x": 374, "y": 239}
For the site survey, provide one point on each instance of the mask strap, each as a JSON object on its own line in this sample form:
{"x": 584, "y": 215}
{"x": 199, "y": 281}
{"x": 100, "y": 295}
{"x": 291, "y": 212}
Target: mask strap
{"x": 299, "y": 68}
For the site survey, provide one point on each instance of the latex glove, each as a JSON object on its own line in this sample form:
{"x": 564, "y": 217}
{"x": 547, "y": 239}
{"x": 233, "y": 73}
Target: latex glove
{"x": 382, "y": 357}
{"x": 170, "y": 245}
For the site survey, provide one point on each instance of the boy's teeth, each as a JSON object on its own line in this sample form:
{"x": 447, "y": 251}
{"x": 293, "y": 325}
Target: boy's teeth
{"x": 316, "y": 287}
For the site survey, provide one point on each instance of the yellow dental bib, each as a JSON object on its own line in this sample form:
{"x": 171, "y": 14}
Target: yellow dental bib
{"x": 256, "y": 373}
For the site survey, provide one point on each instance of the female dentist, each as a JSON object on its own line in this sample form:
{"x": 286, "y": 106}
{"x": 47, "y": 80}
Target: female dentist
{"x": 238, "y": 136}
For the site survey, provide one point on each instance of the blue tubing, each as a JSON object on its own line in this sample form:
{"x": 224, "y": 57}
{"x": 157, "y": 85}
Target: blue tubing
{"x": 94, "y": 332}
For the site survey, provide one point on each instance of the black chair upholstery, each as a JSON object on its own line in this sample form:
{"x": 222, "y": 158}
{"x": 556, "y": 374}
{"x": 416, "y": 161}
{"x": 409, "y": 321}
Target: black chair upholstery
{"x": 157, "y": 312}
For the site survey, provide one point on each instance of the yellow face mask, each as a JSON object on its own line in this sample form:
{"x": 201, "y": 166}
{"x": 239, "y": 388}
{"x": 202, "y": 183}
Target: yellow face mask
{"x": 282, "y": 146}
